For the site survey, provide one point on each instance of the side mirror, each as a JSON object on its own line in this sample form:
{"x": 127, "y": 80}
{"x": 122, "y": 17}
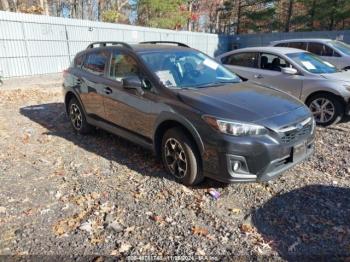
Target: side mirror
{"x": 133, "y": 82}
{"x": 289, "y": 71}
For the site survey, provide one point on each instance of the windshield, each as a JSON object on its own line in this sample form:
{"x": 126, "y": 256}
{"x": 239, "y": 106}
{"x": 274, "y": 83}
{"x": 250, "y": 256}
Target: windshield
{"x": 187, "y": 69}
{"x": 312, "y": 63}
{"x": 341, "y": 46}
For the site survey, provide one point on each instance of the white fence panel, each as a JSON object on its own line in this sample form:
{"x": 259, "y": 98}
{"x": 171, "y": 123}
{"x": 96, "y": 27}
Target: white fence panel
{"x": 34, "y": 44}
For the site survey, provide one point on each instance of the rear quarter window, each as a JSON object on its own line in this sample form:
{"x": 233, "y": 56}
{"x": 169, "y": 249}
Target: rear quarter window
{"x": 242, "y": 59}
{"x": 298, "y": 45}
{"x": 96, "y": 62}
{"x": 282, "y": 45}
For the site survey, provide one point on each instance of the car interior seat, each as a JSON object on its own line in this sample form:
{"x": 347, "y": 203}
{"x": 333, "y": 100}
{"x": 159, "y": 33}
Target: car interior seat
{"x": 264, "y": 62}
{"x": 276, "y": 64}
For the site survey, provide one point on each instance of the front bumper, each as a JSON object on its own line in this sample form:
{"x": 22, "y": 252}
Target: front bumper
{"x": 265, "y": 158}
{"x": 347, "y": 109}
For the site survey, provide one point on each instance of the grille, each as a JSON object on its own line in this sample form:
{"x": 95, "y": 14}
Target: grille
{"x": 294, "y": 134}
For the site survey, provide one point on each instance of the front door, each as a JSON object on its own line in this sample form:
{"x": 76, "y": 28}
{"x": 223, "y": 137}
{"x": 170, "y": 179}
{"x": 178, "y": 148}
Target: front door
{"x": 269, "y": 73}
{"x": 128, "y": 108}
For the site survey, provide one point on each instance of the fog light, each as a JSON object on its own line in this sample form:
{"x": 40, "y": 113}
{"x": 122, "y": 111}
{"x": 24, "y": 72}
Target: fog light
{"x": 236, "y": 165}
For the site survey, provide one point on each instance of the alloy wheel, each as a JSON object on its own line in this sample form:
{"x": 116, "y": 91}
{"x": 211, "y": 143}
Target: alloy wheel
{"x": 76, "y": 116}
{"x": 175, "y": 158}
{"x": 323, "y": 110}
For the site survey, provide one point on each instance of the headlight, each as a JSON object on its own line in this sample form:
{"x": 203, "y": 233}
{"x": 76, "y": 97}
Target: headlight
{"x": 235, "y": 128}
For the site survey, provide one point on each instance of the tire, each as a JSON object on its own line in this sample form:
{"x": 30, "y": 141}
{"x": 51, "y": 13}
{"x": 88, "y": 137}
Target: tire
{"x": 331, "y": 103}
{"x": 183, "y": 162}
{"x": 77, "y": 118}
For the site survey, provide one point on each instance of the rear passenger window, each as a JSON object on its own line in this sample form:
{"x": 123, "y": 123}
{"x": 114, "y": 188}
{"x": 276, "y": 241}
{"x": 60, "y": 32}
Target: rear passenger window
{"x": 316, "y": 48}
{"x": 320, "y": 49}
{"x": 298, "y": 45}
{"x": 243, "y": 59}
{"x": 327, "y": 51}
{"x": 96, "y": 62}
{"x": 282, "y": 45}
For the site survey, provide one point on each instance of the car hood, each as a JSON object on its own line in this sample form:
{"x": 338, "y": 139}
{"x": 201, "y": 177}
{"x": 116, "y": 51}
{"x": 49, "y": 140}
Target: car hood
{"x": 247, "y": 102}
{"x": 339, "y": 76}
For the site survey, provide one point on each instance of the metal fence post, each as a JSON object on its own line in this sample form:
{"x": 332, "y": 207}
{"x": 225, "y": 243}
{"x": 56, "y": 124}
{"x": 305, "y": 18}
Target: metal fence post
{"x": 67, "y": 41}
{"x": 26, "y": 48}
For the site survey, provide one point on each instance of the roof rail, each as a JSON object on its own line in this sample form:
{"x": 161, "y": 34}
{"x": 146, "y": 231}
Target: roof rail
{"x": 102, "y": 44}
{"x": 165, "y": 42}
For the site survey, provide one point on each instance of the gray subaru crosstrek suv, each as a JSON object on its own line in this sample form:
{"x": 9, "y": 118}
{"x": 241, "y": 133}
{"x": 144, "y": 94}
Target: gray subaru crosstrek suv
{"x": 196, "y": 115}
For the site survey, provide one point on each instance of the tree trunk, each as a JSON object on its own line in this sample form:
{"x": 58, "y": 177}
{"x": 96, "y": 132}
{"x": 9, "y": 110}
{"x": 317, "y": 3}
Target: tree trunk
{"x": 5, "y": 5}
{"x": 312, "y": 15}
{"x": 190, "y": 5}
{"x": 239, "y": 11}
{"x": 217, "y": 23}
{"x": 289, "y": 16}
{"x": 44, "y": 6}
{"x": 332, "y": 22}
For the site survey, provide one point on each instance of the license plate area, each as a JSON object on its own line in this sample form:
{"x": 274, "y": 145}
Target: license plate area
{"x": 299, "y": 151}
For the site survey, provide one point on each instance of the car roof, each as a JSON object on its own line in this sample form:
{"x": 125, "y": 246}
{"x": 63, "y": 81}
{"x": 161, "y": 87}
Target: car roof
{"x": 157, "y": 47}
{"x": 138, "y": 48}
{"x": 279, "y": 50}
{"x": 320, "y": 40}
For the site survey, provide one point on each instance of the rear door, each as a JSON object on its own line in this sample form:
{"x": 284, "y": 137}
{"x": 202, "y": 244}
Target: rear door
{"x": 93, "y": 83}
{"x": 270, "y": 73}
{"x": 127, "y": 108}
{"x": 243, "y": 64}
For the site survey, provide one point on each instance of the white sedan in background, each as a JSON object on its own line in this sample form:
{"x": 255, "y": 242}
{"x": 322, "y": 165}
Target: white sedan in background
{"x": 318, "y": 83}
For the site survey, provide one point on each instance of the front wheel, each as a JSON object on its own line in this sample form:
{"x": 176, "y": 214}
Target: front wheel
{"x": 327, "y": 109}
{"x": 180, "y": 157}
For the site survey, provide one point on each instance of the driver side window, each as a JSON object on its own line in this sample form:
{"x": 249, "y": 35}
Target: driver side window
{"x": 122, "y": 66}
{"x": 272, "y": 62}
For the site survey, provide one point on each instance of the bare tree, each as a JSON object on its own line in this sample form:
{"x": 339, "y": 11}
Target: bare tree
{"x": 289, "y": 15}
{"x": 44, "y": 6}
{"x": 5, "y": 5}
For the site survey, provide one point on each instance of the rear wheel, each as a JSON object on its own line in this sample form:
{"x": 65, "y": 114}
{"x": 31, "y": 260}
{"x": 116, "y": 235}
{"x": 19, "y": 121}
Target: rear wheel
{"x": 326, "y": 108}
{"x": 77, "y": 117}
{"x": 180, "y": 157}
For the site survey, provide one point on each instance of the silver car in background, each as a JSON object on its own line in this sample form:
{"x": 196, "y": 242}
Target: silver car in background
{"x": 333, "y": 51}
{"x": 318, "y": 83}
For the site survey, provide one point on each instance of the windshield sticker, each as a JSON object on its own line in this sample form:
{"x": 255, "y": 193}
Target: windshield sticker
{"x": 166, "y": 78}
{"x": 210, "y": 63}
{"x": 329, "y": 64}
{"x": 308, "y": 65}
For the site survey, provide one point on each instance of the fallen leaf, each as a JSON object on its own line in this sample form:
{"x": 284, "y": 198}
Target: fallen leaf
{"x": 86, "y": 227}
{"x": 235, "y": 211}
{"x": 200, "y": 252}
{"x": 246, "y": 228}
{"x": 201, "y": 231}
{"x": 124, "y": 247}
{"x": 157, "y": 219}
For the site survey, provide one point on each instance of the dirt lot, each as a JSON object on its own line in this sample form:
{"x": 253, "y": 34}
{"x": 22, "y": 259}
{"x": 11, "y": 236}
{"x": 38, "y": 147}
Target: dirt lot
{"x": 64, "y": 194}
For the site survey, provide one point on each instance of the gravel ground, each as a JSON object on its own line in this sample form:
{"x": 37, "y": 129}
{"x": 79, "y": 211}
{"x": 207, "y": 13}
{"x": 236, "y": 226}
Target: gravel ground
{"x": 99, "y": 195}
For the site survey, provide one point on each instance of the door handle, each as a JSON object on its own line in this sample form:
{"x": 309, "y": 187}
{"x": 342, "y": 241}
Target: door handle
{"x": 258, "y": 76}
{"x": 108, "y": 91}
